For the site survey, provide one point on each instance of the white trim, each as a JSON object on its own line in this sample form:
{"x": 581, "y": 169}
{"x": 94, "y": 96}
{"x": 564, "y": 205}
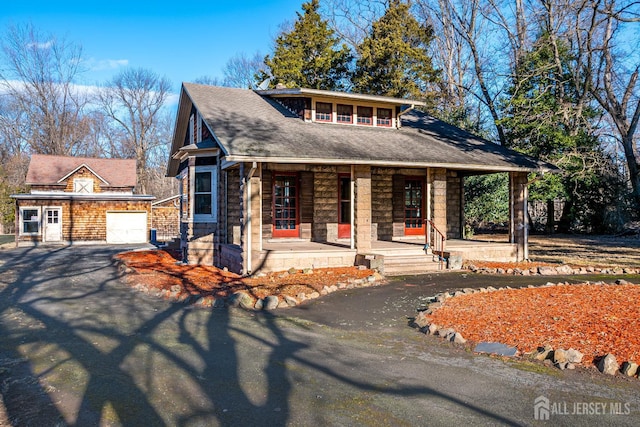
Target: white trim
{"x": 21, "y": 220}
{"x": 81, "y": 166}
{"x": 213, "y": 217}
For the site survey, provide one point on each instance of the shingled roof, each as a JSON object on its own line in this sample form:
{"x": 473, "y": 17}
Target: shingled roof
{"x": 49, "y": 170}
{"x": 251, "y": 126}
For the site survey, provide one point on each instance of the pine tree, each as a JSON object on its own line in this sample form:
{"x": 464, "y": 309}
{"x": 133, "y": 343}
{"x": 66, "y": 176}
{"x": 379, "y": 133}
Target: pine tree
{"x": 309, "y": 55}
{"x": 393, "y": 59}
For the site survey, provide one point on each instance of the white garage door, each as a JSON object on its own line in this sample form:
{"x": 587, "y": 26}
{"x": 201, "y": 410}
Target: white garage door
{"x": 126, "y": 227}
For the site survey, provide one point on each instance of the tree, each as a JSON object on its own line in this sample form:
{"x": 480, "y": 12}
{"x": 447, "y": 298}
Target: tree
{"x": 393, "y": 59}
{"x": 309, "y": 55}
{"x": 133, "y": 100}
{"x": 241, "y": 70}
{"x": 39, "y": 77}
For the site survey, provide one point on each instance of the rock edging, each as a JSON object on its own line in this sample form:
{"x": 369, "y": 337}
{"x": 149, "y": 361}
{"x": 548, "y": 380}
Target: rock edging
{"x": 550, "y": 270}
{"x": 559, "y": 358}
{"x": 242, "y": 299}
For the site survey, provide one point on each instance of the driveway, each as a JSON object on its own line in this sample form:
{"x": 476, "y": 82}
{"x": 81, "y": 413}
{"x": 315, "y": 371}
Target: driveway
{"x": 78, "y": 347}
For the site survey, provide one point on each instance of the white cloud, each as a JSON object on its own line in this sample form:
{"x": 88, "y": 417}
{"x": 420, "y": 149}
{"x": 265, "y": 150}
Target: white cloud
{"x": 45, "y": 45}
{"x": 106, "y": 64}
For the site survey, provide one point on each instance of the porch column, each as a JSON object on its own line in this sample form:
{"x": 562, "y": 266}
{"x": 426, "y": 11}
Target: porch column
{"x": 518, "y": 213}
{"x": 439, "y": 195}
{"x": 251, "y": 216}
{"x": 362, "y": 208}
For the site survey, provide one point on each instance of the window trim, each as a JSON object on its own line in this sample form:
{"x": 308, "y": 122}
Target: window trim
{"x": 213, "y": 217}
{"x": 38, "y": 220}
{"x": 317, "y": 114}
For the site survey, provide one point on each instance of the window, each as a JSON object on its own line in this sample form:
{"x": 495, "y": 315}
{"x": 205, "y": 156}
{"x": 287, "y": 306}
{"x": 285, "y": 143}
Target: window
{"x": 324, "y": 110}
{"x": 29, "y": 221}
{"x": 345, "y": 114}
{"x": 83, "y": 185}
{"x": 204, "y": 194}
{"x": 365, "y": 116}
{"x": 384, "y": 117}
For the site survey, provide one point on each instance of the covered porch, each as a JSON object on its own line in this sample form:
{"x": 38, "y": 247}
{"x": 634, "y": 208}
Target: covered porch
{"x": 398, "y": 257}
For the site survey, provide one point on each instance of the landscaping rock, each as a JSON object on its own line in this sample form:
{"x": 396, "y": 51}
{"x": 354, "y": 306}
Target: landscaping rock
{"x": 271, "y": 302}
{"x": 292, "y": 271}
{"x": 421, "y": 320}
{"x": 291, "y": 301}
{"x": 564, "y": 269}
{"x": 176, "y": 288}
{"x": 608, "y": 365}
{"x": 621, "y": 282}
{"x": 307, "y": 271}
{"x": 495, "y": 348}
{"x": 218, "y": 303}
{"x": 630, "y": 369}
{"x": 560, "y": 356}
{"x": 458, "y": 338}
{"x": 543, "y": 353}
{"x": 314, "y": 294}
{"x": 445, "y": 332}
{"x": 574, "y": 356}
{"x": 241, "y": 299}
{"x": 259, "y": 304}
{"x": 433, "y": 328}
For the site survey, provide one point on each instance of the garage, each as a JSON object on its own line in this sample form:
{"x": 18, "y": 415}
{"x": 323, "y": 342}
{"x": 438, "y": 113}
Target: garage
{"x": 126, "y": 227}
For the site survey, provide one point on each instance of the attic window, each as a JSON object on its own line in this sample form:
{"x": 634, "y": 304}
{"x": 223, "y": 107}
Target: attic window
{"x": 345, "y": 114}
{"x": 384, "y": 117}
{"x": 324, "y": 110}
{"x": 365, "y": 116}
{"x": 83, "y": 185}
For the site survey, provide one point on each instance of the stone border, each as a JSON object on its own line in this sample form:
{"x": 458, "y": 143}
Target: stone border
{"x": 560, "y": 358}
{"x": 242, "y": 298}
{"x": 549, "y": 270}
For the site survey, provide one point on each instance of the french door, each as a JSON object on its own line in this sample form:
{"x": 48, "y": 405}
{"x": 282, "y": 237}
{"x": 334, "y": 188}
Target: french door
{"x": 414, "y": 207}
{"x": 344, "y": 206}
{"x": 285, "y": 206}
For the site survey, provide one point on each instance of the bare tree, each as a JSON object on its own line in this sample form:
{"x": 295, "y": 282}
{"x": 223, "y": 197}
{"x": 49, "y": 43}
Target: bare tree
{"x": 39, "y": 76}
{"x": 133, "y": 100}
{"x": 241, "y": 70}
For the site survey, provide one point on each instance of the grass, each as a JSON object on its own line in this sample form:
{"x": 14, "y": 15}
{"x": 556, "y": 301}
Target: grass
{"x": 7, "y": 238}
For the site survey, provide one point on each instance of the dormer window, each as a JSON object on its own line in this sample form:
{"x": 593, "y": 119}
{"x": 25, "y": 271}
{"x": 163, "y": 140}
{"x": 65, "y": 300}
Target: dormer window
{"x": 384, "y": 117}
{"x": 365, "y": 116}
{"x": 345, "y": 113}
{"x": 324, "y": 111}
{"x": 83, "y": 185}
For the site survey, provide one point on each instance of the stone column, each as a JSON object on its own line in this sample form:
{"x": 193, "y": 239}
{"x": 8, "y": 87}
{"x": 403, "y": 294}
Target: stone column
{"x": 518, "y": 214}
{"x": 439, "y": 195}
{"x": 362, "y": 216}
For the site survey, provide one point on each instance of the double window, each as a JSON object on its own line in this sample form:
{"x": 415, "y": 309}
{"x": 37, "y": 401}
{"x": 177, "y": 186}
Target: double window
{"x": 29, "y": 221}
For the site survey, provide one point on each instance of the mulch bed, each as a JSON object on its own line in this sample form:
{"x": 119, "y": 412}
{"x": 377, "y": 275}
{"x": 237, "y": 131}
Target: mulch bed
{"x": 594, "y": 319}
{"x": 159, "y": 269}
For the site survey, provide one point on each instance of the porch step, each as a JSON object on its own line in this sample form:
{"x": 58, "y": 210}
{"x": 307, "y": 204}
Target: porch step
{"x": 399, "y": 265}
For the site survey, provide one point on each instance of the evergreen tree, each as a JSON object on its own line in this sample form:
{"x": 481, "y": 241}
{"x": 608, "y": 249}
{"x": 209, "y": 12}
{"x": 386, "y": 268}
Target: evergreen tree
{"x": 309, "y": 55}
{"x": 548, "y": 118}
{"x": 393, "y": 59}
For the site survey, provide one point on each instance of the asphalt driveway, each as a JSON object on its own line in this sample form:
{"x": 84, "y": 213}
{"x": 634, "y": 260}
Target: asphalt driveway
{"x": 78, "y": 347}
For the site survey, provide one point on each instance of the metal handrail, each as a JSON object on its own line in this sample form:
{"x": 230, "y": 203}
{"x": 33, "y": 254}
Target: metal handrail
{"x": 435, "y": 240}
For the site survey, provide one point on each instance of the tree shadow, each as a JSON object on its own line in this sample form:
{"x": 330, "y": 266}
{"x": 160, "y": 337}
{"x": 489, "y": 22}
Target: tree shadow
{"x": 80, "y": 348}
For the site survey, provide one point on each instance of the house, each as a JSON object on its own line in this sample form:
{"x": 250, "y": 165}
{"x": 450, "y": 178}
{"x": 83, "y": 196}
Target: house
{"x": 273, "y": 179}
{"x": 77, "y": 199}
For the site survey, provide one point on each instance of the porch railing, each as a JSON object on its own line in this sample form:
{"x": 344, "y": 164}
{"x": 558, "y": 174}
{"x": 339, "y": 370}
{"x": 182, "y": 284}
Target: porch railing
{"x": 435, "y": 240}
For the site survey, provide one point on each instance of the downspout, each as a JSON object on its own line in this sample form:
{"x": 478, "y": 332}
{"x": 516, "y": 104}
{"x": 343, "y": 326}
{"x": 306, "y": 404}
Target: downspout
{"x": 249, "y": 217}
{"x": 353, "y": 209}
{"x": 411, "y": 107}
{"x": 427, "y": 236}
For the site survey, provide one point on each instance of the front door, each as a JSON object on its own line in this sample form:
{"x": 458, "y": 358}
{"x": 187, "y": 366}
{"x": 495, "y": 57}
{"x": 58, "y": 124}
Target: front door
{"x": 413, "y": 207}
{"x": 285, "y": 206}
{"x": 52, "y": 225}
{"x": 344, "y": 206}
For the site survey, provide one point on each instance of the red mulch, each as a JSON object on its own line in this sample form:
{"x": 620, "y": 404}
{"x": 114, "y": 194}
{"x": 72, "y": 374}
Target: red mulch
{"x": 594, "y": 319}
{"x": 158, "y": 269}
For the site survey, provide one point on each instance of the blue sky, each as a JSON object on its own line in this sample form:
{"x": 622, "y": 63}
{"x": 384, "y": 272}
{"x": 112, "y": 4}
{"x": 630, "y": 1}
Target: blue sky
{"x": 181, "y": 40}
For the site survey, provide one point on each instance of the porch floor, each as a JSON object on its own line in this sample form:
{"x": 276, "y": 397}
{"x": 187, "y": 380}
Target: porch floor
{"x": 402, "y": 256}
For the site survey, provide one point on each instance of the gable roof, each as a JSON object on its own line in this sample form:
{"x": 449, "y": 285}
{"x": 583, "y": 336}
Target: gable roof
{"x": 249, "y": 126}
{"x": 52, "y": 170}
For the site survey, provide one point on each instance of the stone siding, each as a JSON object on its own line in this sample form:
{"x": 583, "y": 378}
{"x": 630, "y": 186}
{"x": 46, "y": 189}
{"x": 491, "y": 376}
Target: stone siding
{"x": 325, "y": 209}
{"x": 381, "y": 202}
{"x": 454, "y": 205}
